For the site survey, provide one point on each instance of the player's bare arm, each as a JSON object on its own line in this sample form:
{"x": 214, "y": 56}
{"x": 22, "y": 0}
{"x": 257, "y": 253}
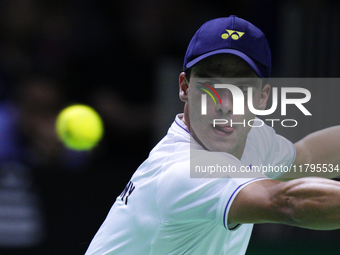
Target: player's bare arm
{"x": 321, "y": 147}
{"x": 311, "y": 202}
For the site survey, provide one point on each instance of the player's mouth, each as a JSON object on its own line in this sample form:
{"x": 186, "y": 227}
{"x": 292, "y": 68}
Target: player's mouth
{"x": 223, "y": 130}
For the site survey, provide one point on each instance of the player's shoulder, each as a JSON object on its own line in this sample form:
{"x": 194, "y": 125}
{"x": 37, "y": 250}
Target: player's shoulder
{"x": 186, "y": 168}
{"x": 265, "y": 138}
{"x": 178, "y": 176}
{"x": 260, "y": 132}
{"x": 262, "y": 138}
{"x": 176, "y": 140}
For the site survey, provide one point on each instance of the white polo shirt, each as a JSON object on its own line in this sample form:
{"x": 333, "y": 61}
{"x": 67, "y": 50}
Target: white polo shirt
{"x": 164, "y": 211}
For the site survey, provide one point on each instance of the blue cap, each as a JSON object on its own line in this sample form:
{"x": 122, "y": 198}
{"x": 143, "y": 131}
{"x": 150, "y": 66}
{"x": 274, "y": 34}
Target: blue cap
{"x": 234, "y": 36}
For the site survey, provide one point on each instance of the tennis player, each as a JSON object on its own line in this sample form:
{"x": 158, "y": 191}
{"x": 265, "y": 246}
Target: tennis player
{"x": 163, "y": 210}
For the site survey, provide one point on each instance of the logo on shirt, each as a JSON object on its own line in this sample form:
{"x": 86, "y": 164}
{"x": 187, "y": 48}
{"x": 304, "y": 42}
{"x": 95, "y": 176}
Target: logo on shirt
{"x": 129, "y": 188}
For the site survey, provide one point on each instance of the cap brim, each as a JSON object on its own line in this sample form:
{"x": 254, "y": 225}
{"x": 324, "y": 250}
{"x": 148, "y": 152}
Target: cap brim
{"x": 257, "y": 68}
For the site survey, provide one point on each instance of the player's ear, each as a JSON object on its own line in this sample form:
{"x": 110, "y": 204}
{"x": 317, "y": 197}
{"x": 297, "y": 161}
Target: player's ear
{"x": 264, "y": 96}
{"x": 183, "y": 87}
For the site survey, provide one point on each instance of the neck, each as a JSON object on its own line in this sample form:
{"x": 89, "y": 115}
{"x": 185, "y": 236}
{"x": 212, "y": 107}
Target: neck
{"x": 186, "y": 119}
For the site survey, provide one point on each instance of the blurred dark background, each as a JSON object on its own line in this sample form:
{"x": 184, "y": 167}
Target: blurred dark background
{"x": 123, "y": 58}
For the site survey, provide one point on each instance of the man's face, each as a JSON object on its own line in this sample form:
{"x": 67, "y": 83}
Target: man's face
{"x": 231, "y": 136}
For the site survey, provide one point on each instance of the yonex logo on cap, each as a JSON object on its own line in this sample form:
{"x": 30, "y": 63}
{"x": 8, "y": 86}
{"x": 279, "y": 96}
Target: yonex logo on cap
{"x": 235, "y": 35}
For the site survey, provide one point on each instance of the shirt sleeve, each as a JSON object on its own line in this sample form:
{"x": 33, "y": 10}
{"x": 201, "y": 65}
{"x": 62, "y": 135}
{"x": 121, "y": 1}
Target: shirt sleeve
{"x": 182, "y": 198}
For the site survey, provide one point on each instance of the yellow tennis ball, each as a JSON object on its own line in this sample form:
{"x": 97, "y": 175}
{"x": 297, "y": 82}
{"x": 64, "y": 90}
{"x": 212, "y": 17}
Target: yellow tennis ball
{"x": 79, "y": 127}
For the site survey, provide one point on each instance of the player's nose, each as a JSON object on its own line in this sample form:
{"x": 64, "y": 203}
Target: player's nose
{"x": 227, "y": 104}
